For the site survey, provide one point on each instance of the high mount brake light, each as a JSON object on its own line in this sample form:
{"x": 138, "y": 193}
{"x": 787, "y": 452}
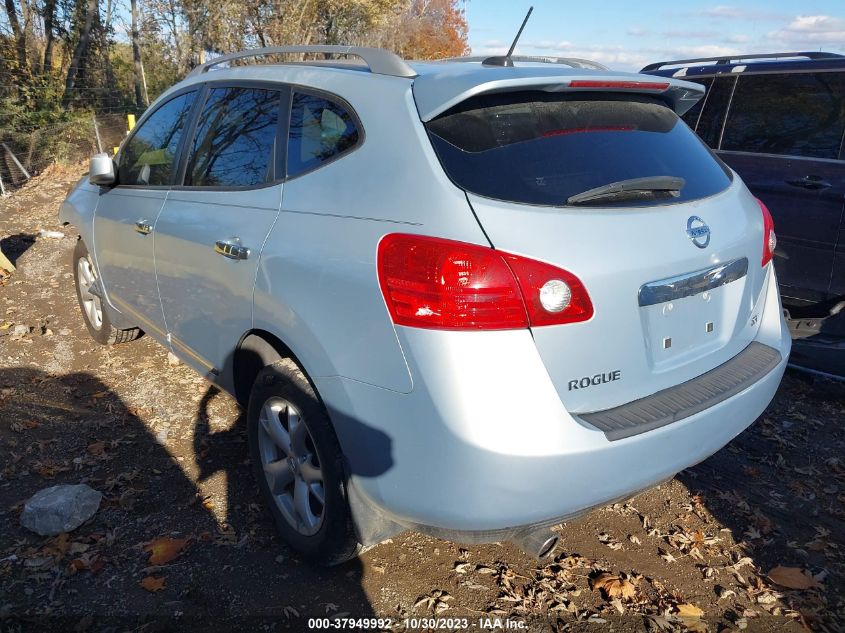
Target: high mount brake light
{"x": 619, "y": 85}
{"x": 770, "y": 240}
{"x": 434, "y": 283}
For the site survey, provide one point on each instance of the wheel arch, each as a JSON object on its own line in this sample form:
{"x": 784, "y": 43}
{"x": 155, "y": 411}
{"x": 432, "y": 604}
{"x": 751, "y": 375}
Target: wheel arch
{"x": 260, "y": 348}
{"x": 257, "y": 349}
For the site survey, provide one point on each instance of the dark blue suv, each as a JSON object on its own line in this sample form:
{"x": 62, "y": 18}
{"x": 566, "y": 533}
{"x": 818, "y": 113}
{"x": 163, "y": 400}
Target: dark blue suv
{"x": 779, "y": 121}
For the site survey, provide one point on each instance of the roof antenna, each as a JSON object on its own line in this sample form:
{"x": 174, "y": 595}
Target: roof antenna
{"x": 506, "y": 60}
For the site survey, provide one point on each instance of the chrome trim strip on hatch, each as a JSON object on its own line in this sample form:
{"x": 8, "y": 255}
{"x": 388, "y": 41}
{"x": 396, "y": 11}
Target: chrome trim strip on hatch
{"x": 694, "y": 283}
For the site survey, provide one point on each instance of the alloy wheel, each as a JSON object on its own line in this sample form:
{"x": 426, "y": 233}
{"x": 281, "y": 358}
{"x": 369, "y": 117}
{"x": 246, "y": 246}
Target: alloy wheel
{"x": 91, "y": 303}
{"x": 291, "y": 465}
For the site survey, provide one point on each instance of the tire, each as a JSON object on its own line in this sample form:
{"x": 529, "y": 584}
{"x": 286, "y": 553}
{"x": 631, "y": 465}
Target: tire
{"x": 293, "y": 447}
{"x": 96, "y": 319}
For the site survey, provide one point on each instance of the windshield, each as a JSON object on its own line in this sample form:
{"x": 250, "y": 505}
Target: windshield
{"x": 543, "y": 148}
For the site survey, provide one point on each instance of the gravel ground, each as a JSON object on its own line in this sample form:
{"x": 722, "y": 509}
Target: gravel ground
{"x": 753, "y": 538}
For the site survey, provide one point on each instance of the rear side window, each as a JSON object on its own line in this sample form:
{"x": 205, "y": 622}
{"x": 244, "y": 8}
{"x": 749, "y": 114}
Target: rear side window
{"x": 148, "y": 157}
{"x": 690, "y": 117}
{"x": 542, "y": 148}
{"x": 236, "y": 138}
{"x": 800, "y": 114}
{"x": 320, "y": 130}
{"x": 712, "y": 116}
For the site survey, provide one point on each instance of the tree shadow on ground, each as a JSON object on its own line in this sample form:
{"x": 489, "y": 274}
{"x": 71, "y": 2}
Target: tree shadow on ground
{"x": 234, "y": 574}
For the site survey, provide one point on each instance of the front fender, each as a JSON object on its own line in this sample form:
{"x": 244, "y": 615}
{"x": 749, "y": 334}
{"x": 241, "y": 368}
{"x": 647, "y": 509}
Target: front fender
{"x": 78, "y": 209}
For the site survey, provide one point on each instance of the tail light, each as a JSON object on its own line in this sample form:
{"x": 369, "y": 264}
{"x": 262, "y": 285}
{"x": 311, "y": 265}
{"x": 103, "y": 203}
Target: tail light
{"x": 429, "y": 282}
{"x": 770, "y": 240}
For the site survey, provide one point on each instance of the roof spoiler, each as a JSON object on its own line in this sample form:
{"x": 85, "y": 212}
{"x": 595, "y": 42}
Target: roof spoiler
{"x": 379, "y": 61}
{"x": 727, "y": 59}
{"x": 433, "y": 101}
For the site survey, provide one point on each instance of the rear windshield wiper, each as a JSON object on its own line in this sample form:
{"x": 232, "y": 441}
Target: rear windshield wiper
{"x": 669, "y": 185}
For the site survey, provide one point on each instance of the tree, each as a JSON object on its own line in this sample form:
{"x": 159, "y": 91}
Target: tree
{"x": 19, "y": 33}
{"x": 433, "y": 29}
{"x": 81, "y": 48}
{"x": 142, "y": 100}
{"x": 49, "y": 34}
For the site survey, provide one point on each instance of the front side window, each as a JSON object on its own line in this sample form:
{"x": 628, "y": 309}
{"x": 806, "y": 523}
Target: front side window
{"x": 236, "y": 139}
{"x": 149, "y": 156}
{"x": 799, "y": 114}
{"x": 319, "y": 130}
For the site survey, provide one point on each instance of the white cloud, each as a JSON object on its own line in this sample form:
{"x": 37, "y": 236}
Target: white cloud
{"x": 731, "y": 12}
{"x": 724, "y": 11}
{"x": 691, "y": 35}
{"x": 812, "y": 31}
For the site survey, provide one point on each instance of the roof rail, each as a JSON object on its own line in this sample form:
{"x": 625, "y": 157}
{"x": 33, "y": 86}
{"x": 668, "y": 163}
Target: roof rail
{"x": 380, "y": 61}
{"x": 496, "y": 60}
{"x": 726, "y": 59}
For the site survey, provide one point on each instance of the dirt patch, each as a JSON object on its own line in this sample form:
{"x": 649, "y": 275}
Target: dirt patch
{"x": 169, "y": 454}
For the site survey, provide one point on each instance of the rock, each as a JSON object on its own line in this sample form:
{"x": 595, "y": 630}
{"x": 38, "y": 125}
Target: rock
{"x": 60, "y": 509}
{"x": 19, "y": 331}
{"x": 172, "y": 359}
{"x": 64, "y": 331}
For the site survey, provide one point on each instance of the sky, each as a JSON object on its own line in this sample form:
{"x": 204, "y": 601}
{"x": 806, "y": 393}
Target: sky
{"x": 629, "y": 35}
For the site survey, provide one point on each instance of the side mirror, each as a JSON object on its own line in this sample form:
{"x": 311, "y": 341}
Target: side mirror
{"x": 101, "y": 170}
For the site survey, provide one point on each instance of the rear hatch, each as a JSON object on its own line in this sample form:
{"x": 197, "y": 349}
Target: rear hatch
{"x": 674, "y": 272}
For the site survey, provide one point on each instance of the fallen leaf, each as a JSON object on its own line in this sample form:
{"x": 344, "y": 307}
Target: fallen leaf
{"x": 666, "y": 555}
{"x": 165, "y": 549}
{"x": 689, "y": 611}
{"x": 97, "y": 448}
{"x": 153, "y": 583}
{"x": 613, "y": 586}
{"x": 792, "y": 578}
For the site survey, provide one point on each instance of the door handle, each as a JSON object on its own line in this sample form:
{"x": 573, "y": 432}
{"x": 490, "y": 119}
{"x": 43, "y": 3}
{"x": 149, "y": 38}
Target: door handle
{"x": 143, "y": 227}
{"x": 231, "y": 248}
{"x": 809, "y": 182}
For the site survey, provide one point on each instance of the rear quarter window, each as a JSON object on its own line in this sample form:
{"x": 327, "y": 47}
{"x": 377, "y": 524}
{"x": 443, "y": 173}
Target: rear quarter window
{"x": 541, "y": 148}
{"x": 321, "y": 129}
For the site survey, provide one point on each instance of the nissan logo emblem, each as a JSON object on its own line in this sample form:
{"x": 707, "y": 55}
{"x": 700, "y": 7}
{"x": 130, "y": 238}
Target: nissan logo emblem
{"x": 698, "y": 231}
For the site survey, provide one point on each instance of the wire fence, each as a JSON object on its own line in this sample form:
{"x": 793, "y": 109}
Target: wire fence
{"x": 25, "y": 154}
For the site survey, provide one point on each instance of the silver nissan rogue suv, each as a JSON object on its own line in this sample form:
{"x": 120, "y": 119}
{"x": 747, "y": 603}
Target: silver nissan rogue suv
{"x": 472, "y": 298}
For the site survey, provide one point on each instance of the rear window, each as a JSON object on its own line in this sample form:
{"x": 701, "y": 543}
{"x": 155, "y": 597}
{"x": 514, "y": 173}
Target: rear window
{"x": 541, "y": 148}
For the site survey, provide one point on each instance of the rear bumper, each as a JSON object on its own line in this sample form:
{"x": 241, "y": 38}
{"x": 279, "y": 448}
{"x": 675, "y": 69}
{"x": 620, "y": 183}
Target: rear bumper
{"x": 483, "y": 447}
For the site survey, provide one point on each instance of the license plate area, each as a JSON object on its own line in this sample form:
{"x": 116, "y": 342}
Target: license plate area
{"x": 689, "y": 316}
